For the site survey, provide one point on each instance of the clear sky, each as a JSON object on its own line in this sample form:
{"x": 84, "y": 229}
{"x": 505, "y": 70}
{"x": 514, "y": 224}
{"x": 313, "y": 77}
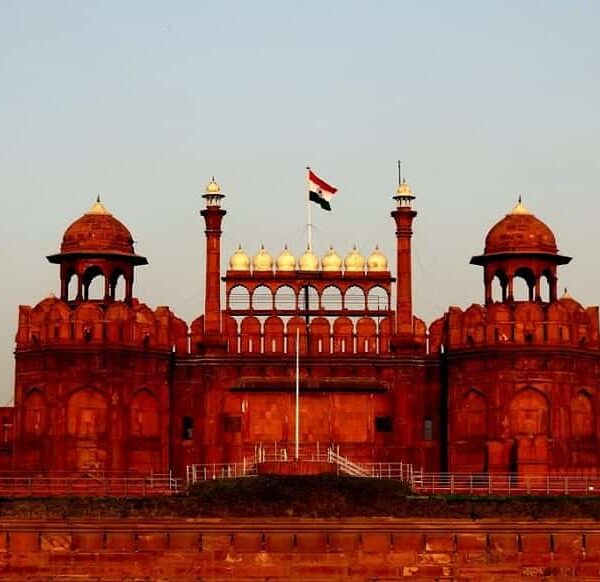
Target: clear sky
{"x": 143, "y": 101}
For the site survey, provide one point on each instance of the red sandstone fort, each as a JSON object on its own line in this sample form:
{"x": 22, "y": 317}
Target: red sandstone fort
{"x": 106, "y": 382}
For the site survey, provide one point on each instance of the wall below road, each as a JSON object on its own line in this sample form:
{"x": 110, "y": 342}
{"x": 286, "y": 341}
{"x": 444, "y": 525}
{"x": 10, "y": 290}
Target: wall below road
{"x": 299, "y": 549}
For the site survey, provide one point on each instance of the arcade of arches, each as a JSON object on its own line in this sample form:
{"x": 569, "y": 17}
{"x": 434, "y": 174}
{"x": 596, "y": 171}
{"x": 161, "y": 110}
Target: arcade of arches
{"x": 104, "y": 382}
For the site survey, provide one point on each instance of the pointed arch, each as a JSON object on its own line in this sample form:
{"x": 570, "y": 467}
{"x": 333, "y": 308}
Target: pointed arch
{"x": 262, "y": 298}
{"x": 378, "y": 299}
{"x": 583, "y": 421}
{"x": 285, "y": 298}
{"x": 250, "y": 335}
{"x": 471, "y": 417}
{"x": 144, "y": 414}
{"x": 331, "y": 298}
{"x": 319, "y": 336}
{"x": 87, "y": 414}
{"x": 273, "y": 335}
{"x": 529, "y": 413}
{"x": 94, "y": 284}
{"x": 296, "y": 325}
{"x": 354, "y": 298}
{"x": 238, "y": 298}
{"x": 366, "y": 336}
{"x": 308, "y": 298}
{"x": 343, "y": 336}
{"x": 34, "y": 413}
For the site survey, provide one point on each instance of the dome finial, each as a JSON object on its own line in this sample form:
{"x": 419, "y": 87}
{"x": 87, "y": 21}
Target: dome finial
{"x": 520, "y": 208}
{"x": 98, "y": 207}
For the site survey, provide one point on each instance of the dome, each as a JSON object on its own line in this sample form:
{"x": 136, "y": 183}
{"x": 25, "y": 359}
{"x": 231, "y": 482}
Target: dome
{"x": 354, "y": 261}
{"x": 263, "y": 261}
{"x": 213, "y": 187}
{"x": 286, "y": 261}
{"x": 308, "y": 261}
{"x": 331, "y": 261}
{"x": 97, "y": 231}
{"x": 520, "y": 232}
{"x": 377, "y": 261}
{"x": 239, "y": 261}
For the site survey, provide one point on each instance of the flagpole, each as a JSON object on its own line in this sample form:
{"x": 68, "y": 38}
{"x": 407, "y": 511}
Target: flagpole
{"x": 309, "y": 223}
{"x": 297, "y": 431}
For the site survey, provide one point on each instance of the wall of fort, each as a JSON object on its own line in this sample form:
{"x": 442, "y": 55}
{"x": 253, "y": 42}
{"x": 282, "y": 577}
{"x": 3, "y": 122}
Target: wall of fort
{"x": 299, "y": 549}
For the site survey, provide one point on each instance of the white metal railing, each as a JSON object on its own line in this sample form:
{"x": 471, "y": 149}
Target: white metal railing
{"x": 503, "y": 484}
{"x": 345, "y": 465}
{"x": 307, "y": 452}
{"x": 24, "y": 484}
{"x": 212, "y": 471}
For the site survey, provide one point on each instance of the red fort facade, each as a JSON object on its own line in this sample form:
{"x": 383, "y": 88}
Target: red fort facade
{"x": 104, "y": 382}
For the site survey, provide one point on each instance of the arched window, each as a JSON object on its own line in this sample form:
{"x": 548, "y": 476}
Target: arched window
{"x": 94, "y": 285}
{"x": 262, "y": 298}
{"x": 378, "y": 299}
{"x": 354, "y": 298}
{"x": 285, "y": 298}
{"x": 582, "y": 415}
{"x": 117, "y": 286}
{"x": 72, "y": 286}
{"x": 524, "y": 285}
{"x": 499, "y": 286}
{"x": 239, "y": 298}
{"x": 308, "y": 299}
{"x": 546, "y": 285}
{"x": 331, "y": 298}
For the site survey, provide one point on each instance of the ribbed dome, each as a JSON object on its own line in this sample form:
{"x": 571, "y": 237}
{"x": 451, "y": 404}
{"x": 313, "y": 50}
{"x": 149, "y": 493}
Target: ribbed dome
{"x": 97, "y": 231}
{"x": 520, "y": 232}
{"x": 354, "y": 261}
{"x": 331, "y": 261}
{"x": 308, "y": 261}
{"x": 377, "y": 261}
{"x": 263, "y": 261}
{"x": 239, "y": 261}
{"x": 286, "y": 261}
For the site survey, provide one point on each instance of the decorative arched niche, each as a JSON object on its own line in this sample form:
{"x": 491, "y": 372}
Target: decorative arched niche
{"x": 144, "y": 415}
{"x": 471, "y": 415}
{"x": 529, "y": 413}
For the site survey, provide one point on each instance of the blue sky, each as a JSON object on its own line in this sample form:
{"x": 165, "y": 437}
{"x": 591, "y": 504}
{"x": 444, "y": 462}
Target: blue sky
{"x": 144, "y": 101}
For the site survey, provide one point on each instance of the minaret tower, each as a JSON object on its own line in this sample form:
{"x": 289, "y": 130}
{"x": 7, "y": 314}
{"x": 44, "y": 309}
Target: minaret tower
{"x": 403, "y": 216}
{"x": 213, "y": 217}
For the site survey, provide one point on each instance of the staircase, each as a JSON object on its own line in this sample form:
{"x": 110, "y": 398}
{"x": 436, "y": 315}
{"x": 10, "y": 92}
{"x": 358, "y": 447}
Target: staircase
{"x": 346, "y": 466}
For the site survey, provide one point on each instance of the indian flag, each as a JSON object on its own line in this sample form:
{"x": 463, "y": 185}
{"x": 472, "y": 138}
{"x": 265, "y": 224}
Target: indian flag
{"x": 320, "y": 191}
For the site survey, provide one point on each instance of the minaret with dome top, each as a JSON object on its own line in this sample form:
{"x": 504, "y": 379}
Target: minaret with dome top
{"x": 213, "y": 217}
{"x": 404, "y": 215}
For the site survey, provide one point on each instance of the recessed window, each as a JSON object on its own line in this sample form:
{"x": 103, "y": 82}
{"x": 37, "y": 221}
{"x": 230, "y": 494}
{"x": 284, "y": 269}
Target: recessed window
{"x": 187, "y": 428}
{"x": 428, "y": 429}
{"x": 232, "y": 423}
{"x": 384, "y": 424}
